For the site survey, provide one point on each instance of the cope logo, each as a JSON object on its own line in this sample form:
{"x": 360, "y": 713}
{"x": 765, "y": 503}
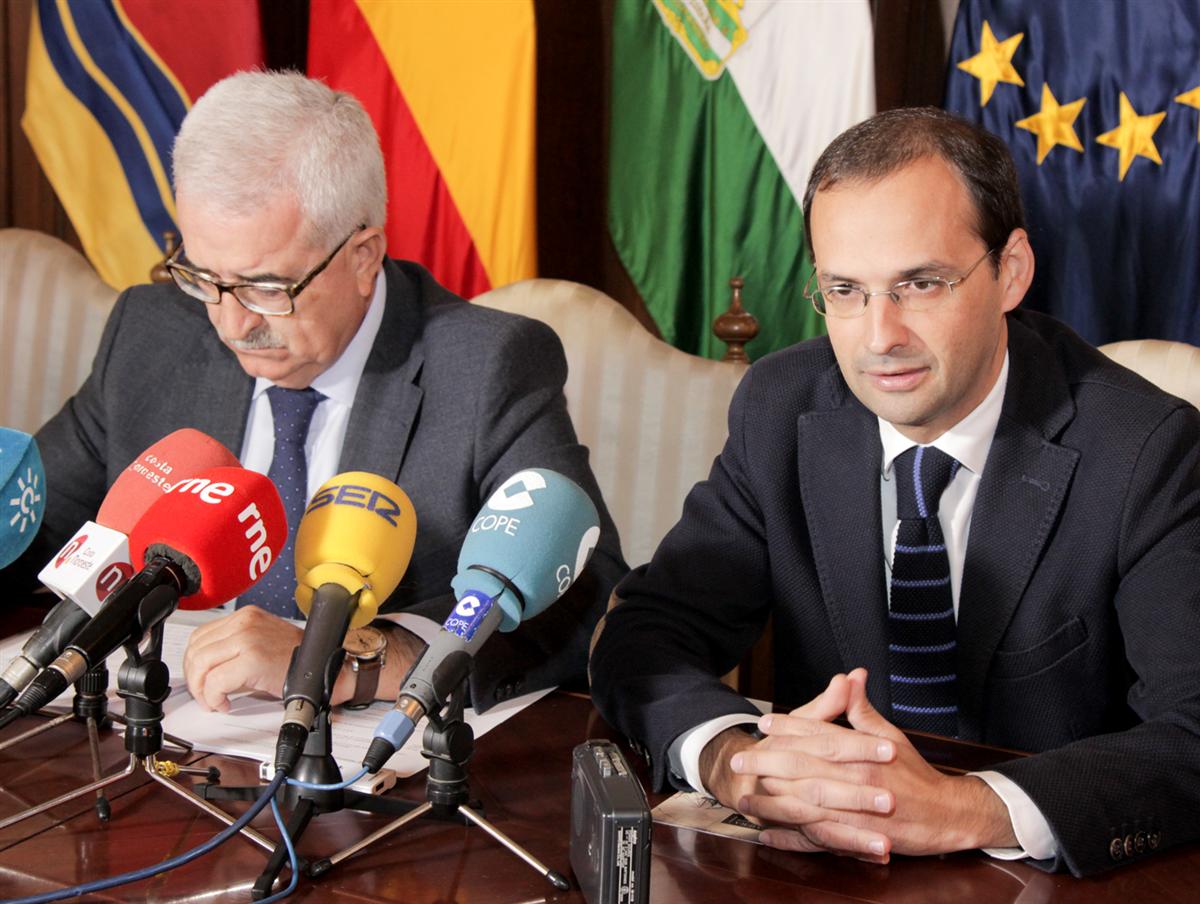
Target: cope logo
{"x": 73, "y": 546}
{"x": 25, "y": 501}
{"x": 517, "y": 492}
{"x": 112, "y": 577}
{"x": 468, "y": 615}
{"x": 358, "y": 497}
{"x": 468, "y": 606}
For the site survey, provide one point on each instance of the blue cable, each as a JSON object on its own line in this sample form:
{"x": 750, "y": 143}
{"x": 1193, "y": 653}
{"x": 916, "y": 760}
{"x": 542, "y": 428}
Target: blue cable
{"x": 268, "y": 796}
{"x": 337, "y": 786}
{"x": 292, "y": 860}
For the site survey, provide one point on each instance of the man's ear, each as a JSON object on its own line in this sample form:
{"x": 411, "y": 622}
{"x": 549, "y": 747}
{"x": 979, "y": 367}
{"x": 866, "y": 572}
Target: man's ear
{"x": 366, "y": 254}
{"x": 1016, "y": 269}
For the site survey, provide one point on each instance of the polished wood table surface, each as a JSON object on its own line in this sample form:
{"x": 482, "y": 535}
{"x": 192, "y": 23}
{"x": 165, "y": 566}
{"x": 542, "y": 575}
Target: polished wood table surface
{"x": 521, "y": 774}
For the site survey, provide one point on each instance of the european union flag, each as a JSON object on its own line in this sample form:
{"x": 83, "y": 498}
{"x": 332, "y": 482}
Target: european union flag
{"x": 1100, "y": 105}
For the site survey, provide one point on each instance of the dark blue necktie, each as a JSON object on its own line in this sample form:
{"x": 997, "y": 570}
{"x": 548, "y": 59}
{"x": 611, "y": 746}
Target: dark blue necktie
{"x": 292, "y": 410}
{"x": 921, "y": 648}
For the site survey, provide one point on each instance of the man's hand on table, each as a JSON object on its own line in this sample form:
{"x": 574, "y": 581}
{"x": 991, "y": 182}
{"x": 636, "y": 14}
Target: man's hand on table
{"x": 249, "y": 650}
{"x": 862, "y": 791}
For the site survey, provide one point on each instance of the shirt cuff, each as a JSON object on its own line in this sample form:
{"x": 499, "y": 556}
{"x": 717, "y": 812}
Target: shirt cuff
{"x": 691, "y": 743}
{"x": 1029, "y": 825}
{"x": 424, "y": 628}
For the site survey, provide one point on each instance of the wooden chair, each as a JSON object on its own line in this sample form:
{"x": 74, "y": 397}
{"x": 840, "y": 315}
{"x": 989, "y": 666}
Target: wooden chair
{"x": 53, "y": 307}
{"x": 652, "y": 416}
{"x": 1171, "y": 366}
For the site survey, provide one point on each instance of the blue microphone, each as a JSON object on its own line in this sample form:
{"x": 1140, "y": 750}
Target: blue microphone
{"x": 22, "y": 493}
{"x": 527, "y": 545}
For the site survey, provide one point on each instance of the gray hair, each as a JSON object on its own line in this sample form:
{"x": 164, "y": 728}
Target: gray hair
{"x": 255, "y": 135}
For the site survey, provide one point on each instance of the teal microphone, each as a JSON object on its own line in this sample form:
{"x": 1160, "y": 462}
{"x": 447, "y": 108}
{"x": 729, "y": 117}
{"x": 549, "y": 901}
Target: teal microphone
{"x": 527, "y": 545}
{"x": 23, "y": 493}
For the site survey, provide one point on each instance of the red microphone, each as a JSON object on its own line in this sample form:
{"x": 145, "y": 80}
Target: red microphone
{"x": 206, "y": 541}
{"x": 225, "y": 525}
{"x": 96, "y": 560}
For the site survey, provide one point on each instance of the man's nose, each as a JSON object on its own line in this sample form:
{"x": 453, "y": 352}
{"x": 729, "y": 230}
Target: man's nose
{"x": 234, "y": 321}
{"x": 885, "y": 324}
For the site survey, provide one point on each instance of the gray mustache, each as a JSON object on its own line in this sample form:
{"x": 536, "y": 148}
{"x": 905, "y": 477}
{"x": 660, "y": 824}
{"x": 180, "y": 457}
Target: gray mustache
{"x": 257, "y": 339}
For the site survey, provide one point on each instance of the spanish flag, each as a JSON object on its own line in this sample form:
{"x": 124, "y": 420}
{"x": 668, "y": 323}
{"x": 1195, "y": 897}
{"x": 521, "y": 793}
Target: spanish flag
{"x": 109, "y": 82}
{"x": 450, "y": 88}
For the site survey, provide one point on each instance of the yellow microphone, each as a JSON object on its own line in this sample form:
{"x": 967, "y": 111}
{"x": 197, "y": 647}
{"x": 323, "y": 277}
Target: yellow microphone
{"x": 353, "y": 545}
{"x": 357, "y": 532}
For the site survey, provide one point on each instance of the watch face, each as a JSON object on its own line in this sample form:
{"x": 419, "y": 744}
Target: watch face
{"x": 362, "y": 642}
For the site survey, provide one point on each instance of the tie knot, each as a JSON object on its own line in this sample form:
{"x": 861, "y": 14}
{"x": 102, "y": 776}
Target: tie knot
{"x": 922, "y": 473}
{"x": 292, "y": 411}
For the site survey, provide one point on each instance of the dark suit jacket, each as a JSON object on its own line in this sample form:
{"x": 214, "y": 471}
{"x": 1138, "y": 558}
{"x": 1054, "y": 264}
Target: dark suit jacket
{"x": 453, "y": 400}
{"x": 1080, "y": 601}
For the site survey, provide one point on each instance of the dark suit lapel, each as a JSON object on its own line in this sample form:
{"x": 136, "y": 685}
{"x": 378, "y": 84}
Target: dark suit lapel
{"x": 1024, "y": 483}
{"x": 839, "y": 460}
{"x": 388, "y": 398}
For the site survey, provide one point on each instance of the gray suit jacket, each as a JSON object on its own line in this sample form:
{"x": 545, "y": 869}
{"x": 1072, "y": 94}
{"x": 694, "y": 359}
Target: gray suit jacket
{"x": 1080, "y": 600}
{"x": 453, "y": 400}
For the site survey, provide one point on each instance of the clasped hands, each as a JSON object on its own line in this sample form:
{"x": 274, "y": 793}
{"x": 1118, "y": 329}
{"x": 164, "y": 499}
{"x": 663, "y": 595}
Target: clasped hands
{"x": 862, "y": 791}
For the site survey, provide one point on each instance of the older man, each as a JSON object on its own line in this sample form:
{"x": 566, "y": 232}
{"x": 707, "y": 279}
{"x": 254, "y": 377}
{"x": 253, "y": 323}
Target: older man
{"x": 286, "y": 317}
{"x": 963, "y": 520}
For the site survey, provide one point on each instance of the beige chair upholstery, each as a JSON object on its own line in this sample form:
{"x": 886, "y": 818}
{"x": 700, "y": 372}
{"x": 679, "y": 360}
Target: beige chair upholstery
{"x": 1172, "y": 366}
{"x": 652, "y": 416}
{"x": 53, "y": 308}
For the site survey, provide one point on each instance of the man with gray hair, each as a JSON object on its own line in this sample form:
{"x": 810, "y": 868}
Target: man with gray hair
{"x": 287, "y": 328}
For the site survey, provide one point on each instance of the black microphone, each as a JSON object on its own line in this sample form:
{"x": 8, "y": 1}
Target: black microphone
{"x": 58, "y": 628}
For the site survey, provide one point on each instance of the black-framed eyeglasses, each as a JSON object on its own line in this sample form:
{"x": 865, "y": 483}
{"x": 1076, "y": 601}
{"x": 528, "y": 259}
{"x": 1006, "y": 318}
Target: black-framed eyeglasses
{"x": 268, "y": 297}
{"x": 921, "y": 293}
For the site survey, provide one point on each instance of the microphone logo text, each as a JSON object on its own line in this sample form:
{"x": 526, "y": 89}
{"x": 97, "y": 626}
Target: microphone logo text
{"x": 516, "y": 492}
{"x": 358, "y": 497}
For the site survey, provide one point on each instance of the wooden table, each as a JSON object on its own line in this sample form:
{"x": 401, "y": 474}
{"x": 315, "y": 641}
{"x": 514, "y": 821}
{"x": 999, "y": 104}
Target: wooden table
{"x": 521, "y": 774}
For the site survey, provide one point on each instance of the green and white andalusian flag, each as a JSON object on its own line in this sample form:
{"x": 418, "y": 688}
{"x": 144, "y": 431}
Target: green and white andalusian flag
{"x": 719, "y": 110}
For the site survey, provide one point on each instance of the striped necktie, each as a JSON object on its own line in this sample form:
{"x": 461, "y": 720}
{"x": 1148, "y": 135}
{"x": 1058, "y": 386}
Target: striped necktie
{"x": 292, "y": 411}
{"x": 921, "y": 625}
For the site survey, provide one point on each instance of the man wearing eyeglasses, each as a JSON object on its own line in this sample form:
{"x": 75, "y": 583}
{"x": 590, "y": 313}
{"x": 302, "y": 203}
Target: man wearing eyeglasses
{"x": 290, "y": 337}
{"x": 962, "y": 519}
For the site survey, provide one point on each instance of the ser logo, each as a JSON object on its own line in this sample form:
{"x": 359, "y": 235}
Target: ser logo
{"x": 357, "y": 497}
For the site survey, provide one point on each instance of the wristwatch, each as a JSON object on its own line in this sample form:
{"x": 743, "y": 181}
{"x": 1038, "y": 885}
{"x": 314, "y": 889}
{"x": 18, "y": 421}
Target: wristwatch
{"x": 366, "y": 648}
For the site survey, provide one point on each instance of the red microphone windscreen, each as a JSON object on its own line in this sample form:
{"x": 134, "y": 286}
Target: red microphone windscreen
{"x": 176, "y": 456}
{"x": 230, "y": 524}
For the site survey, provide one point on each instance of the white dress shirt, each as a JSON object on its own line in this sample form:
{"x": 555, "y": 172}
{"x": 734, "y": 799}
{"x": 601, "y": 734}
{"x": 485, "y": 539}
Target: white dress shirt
{"x": 968, "y": 442}
{"x": 327, "y": 431}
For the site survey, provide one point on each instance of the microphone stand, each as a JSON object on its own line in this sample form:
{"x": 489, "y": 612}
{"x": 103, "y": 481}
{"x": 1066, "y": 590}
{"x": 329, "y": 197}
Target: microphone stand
{"x": 90, "y": 707}
{"x": 144, "y": 682}
{"x": 316, "y": 766}
{"x": 448, "y": 743}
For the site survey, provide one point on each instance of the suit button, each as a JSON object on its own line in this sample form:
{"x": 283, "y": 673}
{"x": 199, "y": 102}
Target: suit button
{"x": 503, "y": 692}
{"x": 1116, "y": 850}
{"x": 1128, "y": 845}
{"x": 1153, "y": 839}
{"x": 1139, "y": 842}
